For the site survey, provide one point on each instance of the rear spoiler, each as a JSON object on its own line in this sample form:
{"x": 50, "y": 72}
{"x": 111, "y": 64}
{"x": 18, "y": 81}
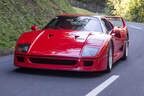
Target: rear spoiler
{"x": 123, "y": 21}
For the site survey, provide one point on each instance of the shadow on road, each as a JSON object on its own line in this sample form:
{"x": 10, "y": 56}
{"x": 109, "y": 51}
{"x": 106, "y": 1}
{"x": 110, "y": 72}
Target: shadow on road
{"x": 118, "y": 62}
{"x": 44, "y": 72}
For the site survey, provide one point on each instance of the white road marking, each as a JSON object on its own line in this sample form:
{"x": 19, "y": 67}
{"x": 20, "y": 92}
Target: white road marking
{"x": 102, "y": 86}
{"x": 135, "y": 27}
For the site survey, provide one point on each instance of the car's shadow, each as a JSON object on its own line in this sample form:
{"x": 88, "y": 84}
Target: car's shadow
{"x": 117, "y": 63}
{"x": 59, "y": 73}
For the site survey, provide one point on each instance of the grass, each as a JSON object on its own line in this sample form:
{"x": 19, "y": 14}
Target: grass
{"x": 86, "y": 12}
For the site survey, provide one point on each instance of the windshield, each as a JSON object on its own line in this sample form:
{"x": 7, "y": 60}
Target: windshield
{"x": 83, "y": 23}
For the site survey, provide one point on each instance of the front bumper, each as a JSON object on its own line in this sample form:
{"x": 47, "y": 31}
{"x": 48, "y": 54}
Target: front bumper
{"x": 61, "y": 63}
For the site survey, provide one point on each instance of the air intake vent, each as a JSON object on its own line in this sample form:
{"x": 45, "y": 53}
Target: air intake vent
{"x": 88, "y": 63}
{"x": 53, "y": 61}
{"x": 20, "y": 59}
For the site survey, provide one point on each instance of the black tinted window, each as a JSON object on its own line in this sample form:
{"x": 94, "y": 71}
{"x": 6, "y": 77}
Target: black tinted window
{"x": 84, "y": 23}
{"x": 107, "y": 25}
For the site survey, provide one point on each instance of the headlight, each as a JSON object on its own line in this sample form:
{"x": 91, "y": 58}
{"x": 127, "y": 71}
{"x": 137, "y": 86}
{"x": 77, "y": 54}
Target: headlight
{"x": 89, "y": 51}
{"x": 22, "y": 48}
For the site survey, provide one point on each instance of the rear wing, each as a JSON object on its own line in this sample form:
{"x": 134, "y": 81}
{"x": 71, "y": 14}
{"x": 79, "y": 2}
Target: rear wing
{"x": 117, "y": 17}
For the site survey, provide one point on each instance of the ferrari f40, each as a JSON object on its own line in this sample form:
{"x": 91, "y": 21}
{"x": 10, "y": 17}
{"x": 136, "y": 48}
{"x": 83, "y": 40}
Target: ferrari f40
{"x": 74, "y": 42}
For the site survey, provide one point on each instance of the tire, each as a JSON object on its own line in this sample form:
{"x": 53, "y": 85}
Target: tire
{"x": 125, "y": 54}
{"x": 110, "y": 58}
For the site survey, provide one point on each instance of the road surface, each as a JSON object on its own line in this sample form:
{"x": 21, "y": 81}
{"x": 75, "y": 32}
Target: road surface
{"x": 126, "y": 78}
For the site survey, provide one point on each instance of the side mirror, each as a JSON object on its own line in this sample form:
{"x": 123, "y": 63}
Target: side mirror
{"x": 116, "y": 33}
{"x": 34, "y": 28}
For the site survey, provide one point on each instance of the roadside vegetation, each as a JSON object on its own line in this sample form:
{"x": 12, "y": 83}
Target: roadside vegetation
{"x": 17, "y": 16}
{"x": 86, "y": 12}
{"x": 97, "y": 6}
{"x": 132, "y": 10}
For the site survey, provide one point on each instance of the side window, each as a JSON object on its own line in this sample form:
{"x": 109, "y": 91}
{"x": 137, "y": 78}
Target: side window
{"x": 107, "y": 25}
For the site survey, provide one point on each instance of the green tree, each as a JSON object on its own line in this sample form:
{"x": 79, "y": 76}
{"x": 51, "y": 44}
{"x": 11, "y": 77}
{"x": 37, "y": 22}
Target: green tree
{"x": 132, "y": 10}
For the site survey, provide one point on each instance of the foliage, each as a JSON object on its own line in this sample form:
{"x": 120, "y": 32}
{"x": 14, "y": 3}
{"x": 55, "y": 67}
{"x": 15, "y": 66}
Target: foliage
{"x": 91, "y": 1}
{"x": 132, "y": 10}
{"x": 86, "y": 12}
{"x": 91, "y": 5}
{"x": 84, "y": 1}
{"x": 17, "y": 16}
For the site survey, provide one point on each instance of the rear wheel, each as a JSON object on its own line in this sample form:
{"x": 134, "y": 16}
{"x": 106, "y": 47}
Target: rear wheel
{"x": 125, "y": 54}
{"x": 110, "y": 58}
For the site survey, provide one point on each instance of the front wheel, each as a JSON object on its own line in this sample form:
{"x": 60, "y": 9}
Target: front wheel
{"x": 110, "y": 58}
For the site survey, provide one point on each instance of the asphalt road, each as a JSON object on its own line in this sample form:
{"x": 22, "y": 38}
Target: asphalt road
{"x": 34, "y": 82}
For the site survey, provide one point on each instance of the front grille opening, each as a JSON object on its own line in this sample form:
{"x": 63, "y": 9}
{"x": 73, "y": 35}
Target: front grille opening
{"x": 20, "y": 59}
{"x": 88, "y": 63}
{"x": 53, "y": 61}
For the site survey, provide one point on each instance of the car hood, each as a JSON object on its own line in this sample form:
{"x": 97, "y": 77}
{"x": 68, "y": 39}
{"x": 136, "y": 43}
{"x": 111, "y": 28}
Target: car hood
{"x": 64, "y": 42}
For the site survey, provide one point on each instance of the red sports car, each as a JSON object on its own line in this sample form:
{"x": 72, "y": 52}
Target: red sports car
{"x": 74, "y": 42}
